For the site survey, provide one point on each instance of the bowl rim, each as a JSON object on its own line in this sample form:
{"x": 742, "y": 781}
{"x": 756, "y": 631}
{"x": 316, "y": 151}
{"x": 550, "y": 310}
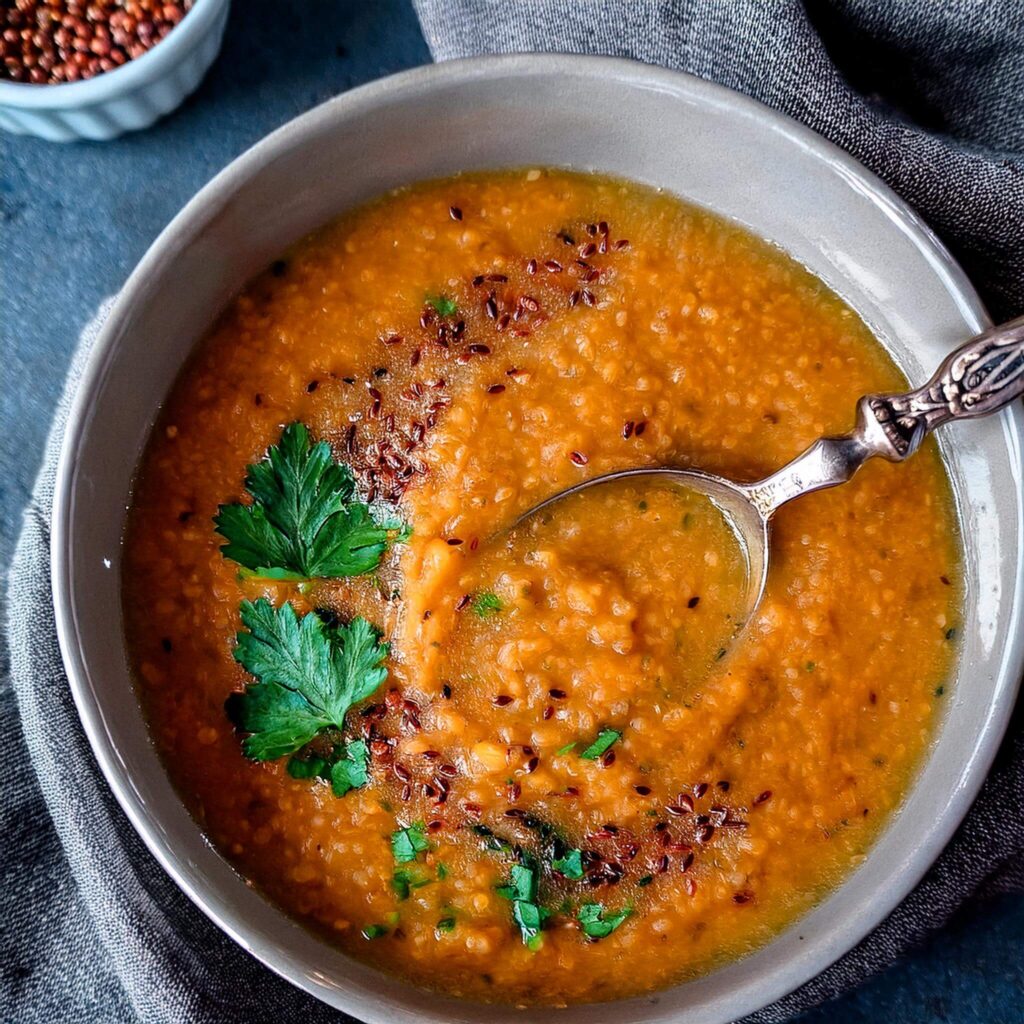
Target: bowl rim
{"x": 107, "y": 85}
{"x": 1009, "y": 663}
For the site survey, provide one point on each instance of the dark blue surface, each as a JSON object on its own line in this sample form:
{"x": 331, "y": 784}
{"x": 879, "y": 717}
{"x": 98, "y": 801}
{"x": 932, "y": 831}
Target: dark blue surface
{"x": 75, "y": 220}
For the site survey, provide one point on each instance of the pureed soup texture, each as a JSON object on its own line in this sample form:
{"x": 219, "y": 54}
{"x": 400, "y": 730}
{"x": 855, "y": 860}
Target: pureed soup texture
{"x": 533, "y": 763}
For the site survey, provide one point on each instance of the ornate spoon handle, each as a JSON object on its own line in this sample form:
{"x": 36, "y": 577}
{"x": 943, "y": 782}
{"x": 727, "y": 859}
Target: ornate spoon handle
{"x": 980, "y": 377}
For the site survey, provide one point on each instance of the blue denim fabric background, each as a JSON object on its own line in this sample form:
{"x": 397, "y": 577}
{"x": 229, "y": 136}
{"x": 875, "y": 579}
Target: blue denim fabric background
{"x": 75, "y": 219}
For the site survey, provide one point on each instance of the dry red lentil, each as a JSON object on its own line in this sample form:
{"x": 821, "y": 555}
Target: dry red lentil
{"x": 605, "y": 624}
{"x": 45, "y": 42}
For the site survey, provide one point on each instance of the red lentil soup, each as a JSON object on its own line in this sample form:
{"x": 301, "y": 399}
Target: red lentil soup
{"x": 533, "y": 763}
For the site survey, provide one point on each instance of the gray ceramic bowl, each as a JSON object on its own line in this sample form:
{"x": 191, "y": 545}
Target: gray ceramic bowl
{"x": 710, "y": 146}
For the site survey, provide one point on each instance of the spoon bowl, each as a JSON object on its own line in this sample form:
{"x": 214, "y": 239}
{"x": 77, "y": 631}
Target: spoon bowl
{"x": 980, "y": 377}
{"x": 733, "y": 500}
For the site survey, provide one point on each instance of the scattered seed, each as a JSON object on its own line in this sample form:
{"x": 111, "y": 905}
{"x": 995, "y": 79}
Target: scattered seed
{"x": 455, "y": 213}
{"x": 578, "y": 458}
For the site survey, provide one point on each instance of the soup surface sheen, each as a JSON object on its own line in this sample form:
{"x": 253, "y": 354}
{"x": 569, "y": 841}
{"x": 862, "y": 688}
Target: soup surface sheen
{"x": 567, "y": 698}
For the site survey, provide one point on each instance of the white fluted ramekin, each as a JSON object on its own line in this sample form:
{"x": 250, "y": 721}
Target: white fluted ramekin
{"x": 126, "y": 99}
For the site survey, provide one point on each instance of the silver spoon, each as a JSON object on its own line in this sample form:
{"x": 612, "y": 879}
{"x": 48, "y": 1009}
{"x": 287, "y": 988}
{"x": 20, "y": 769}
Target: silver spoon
{"x": 982, "y": 376}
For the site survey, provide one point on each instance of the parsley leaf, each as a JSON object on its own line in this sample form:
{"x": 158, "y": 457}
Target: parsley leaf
{"x": 374, "y": 931}
{"x": 570, "y": 866}
{"x": 302, "y": 523}
{"x": 351, "y": 770}
{"x": 446, "y": 924}
{"x": 605, "y": 738}
{"x": 597, "y": 923}
{"x": 308, "y": 675}
{"x": 311, "y": 767}
{"x": 407, "y": 843}
{"x": 487, "y": 604}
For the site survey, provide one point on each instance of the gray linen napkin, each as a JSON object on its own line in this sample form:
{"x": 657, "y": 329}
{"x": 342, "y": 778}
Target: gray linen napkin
{"x": 94, "y": 931}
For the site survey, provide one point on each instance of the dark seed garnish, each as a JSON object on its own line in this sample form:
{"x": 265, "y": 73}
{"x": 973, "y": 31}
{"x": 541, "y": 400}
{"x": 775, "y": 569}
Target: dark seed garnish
{"x": 643, "y": 790}
{"x": 455, "y": 213}
{"x": 693, "y": 602}
{"x": 763, "y": 797}
{"x": 496, "y": 389}
{"x": 502, "y": 700}
{"x": 578, "y": 458}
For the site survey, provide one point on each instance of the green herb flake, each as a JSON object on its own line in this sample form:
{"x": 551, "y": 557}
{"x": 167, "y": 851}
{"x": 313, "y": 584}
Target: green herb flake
{"x": 404, "y": 880}
{"x": 598, "y": 923}
{"x": 487, "y": 604}
{"x": 351, "y": 770}
{"x": 642, "y": 883}
{"x": 302, "y": 522}
{"x": 309, "y": 767}
{"x": 408, "y": 843}
{"x": 446, "y": 924}
{"x": 527, "y": 913}
{"x": 605, "y": 739}
{"x": 442, "y": 872}
{"x": 571, "y": 865}
{"x": 308, "y": 676}
{"x": 444, "y": 305}
{"x": 939, "y": 691}
{"x": 374, "y": 931}
{"x": 810, "y": 666}
{"x": 562, "y": 751}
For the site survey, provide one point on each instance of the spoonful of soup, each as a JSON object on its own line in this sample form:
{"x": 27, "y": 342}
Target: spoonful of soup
{"x": 980, "y": 377}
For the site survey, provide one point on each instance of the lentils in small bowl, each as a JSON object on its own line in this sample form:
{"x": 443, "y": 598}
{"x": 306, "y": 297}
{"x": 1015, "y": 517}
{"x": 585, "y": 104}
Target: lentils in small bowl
{"x": 49, "y": 41}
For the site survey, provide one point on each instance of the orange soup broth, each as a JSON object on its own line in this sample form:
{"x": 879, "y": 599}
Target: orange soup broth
{"x": 604, "y": 326}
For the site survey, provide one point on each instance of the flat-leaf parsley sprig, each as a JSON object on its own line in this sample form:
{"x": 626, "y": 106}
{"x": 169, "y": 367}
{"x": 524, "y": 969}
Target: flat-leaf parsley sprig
{"x": 308, "y": 675}
{"x": 303, "y": 522}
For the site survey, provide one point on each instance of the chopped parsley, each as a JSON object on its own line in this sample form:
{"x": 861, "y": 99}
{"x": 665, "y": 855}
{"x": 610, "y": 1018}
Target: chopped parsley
{"x": 446, "y": 924}
{"x": 597, "y": 923}
{"x": 404, "y": 880}
{"x": 605, "y": 738}
{"x": 303, "y": 522}
{"x": 527, "y": 913}
{"x": 571, "y": 865}
{"x": 562, "y": 751}
{"x": 444, "y": 305}
{"x": 308, "y": 676}
{"x": 374, "y": 931}
{"x": 408, "y": 843}
{"x": 487, "y": 604}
